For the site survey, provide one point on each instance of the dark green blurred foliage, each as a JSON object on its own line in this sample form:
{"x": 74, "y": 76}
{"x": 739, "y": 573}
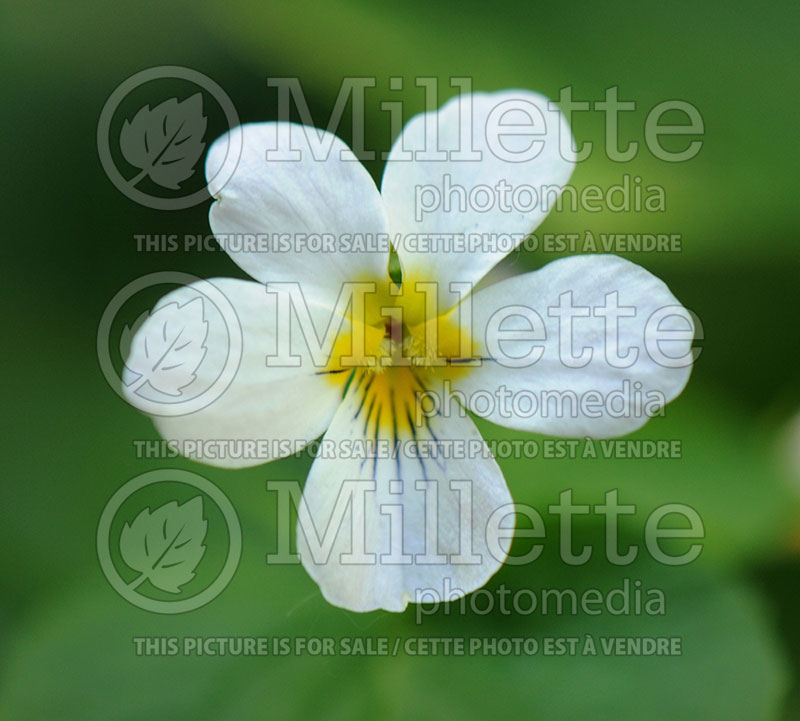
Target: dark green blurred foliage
{"x": 69, "y": 247}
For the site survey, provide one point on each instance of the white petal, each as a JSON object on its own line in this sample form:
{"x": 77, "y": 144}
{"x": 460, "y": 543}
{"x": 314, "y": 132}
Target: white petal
{"x": 395, "y": 567}
{"x": 290, "y": 189}
{"x": 602, "y": 391}
{"x": 216, "y": 397}
{"x": 447, "y": 195}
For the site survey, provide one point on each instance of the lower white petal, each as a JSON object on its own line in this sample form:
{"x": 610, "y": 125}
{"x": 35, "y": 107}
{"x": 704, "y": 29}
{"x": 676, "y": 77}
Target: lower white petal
{"x": 363, "y": 532}
{"x": 198, "y": 365}
{"x": 601, "y": 384}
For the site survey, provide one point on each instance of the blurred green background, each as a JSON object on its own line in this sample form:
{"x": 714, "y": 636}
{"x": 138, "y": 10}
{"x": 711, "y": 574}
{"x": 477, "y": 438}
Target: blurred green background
{"x": 67, "y": 636}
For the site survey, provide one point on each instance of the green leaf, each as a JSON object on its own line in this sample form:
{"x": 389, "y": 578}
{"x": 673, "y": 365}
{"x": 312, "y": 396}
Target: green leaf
{"x": 77, "y": 659}
{"x": 715, "y": 471}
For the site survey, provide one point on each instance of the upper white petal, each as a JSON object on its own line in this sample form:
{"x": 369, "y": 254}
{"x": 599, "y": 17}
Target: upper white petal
{"x": 293, "y": 181}
{"x": 257, "y": 403}
{"x": 540, "y": 159}
{"x": 401, "y": 567}
{"x": 601, "y": 394}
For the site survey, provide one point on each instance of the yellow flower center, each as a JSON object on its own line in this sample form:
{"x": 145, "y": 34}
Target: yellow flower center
{"x": 395, "y": 346}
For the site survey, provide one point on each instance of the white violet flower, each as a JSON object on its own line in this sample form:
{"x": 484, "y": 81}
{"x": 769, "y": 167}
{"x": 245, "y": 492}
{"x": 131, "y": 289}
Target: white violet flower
{"x": 331, "y": 343}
